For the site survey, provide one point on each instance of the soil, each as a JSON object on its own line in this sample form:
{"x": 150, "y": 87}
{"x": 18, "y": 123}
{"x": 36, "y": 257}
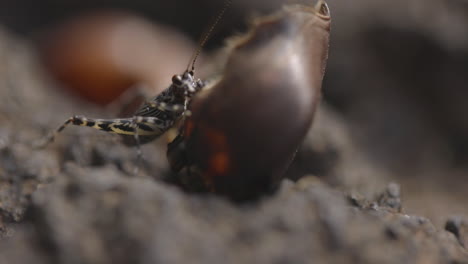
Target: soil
{"x": 358, "y": 191}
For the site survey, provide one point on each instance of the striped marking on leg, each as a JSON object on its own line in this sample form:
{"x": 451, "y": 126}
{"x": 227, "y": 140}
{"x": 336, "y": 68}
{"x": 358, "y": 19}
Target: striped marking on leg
{"x": 145, "y": 126}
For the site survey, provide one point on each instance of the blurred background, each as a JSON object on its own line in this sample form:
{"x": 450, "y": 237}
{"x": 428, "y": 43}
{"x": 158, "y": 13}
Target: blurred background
{"x": 397, "y": 74}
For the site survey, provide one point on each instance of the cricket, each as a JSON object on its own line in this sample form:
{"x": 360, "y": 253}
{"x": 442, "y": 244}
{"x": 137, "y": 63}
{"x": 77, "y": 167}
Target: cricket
{"x": 157, "y": 115}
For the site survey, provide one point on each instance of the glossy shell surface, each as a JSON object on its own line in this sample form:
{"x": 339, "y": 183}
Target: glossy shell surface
{"x": 245, "y": 129}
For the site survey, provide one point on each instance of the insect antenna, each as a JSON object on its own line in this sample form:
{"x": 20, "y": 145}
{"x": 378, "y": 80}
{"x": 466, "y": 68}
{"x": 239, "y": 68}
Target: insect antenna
{"x": 206, "y": 36}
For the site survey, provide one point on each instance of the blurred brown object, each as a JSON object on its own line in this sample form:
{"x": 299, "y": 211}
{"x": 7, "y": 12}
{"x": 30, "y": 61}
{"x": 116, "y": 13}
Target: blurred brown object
{"x": 245, "y": 130}
{"x": 100, "y": 55}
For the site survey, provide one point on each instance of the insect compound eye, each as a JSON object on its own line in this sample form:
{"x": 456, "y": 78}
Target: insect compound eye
{"x": 243, "y": 132}
{"x": 177, "y": 80}
{"x": 188, "y": 75}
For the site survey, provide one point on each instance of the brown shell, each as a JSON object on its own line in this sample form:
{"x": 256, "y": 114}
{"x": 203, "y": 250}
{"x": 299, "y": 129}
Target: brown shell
{"x": 100, "y": 55}
{"x": 245, "y": 130}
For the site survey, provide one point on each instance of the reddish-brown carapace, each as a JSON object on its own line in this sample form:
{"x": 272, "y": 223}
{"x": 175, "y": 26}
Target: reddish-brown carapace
{"x": 246, "y": 127}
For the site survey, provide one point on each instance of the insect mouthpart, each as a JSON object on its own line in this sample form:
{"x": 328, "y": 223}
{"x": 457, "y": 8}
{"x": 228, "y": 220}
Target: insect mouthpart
{"x": 184, "y": 84}
{"x": 181, "y": 80}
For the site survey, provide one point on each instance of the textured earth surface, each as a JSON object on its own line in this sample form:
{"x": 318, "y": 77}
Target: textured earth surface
{"x": 77, "y": 201}
{"x": 355, "y": 193}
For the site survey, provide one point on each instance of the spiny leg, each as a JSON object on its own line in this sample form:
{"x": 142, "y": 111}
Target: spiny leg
{"x": 137, "y": 143}
{"x": 145, "y": 126}
{"x": 51, "y": 137}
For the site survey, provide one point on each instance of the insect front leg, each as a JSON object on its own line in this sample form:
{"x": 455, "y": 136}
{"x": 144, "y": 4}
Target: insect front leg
{"x": 150, "y": 127}
{"x": 137, "y": 144}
